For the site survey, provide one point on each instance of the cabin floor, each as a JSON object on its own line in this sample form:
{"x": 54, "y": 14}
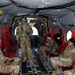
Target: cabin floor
{"x": 40, "y": 69}
{"x": 41, "y": 73}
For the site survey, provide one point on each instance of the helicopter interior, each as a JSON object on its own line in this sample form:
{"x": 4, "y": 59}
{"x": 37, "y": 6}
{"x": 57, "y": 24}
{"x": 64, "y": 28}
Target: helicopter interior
{"x": 57, "y": 14}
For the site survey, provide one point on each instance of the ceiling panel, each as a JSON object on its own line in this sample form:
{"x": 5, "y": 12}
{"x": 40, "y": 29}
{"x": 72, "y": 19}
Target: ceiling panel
{"x": 12, "y": 9}
{"x": 4, "y": 2}
{"x": 55, "y": 12}
{"x": 42, "y": 3}
{"x": 71, "y": 8}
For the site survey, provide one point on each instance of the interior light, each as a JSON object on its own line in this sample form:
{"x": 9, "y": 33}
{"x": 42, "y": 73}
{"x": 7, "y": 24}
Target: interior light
{"x": 15, "y": 30}
{"x": 54, "y": 23}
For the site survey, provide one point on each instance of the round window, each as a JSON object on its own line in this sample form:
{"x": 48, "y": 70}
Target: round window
{"x": 69, "y": 34}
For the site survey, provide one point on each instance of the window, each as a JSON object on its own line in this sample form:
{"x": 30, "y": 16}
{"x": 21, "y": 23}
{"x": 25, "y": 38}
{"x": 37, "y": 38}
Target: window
{"x": 69, "y": 34}
{"x": 35, "y": 31}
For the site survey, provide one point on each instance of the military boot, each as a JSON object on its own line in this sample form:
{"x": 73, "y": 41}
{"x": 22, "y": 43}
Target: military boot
{"x": 41, "y": 56}
{"x": 55, "y": 72}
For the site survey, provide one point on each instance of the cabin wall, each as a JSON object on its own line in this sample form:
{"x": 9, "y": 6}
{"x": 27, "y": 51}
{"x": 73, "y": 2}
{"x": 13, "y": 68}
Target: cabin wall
{"x": 54, "y": 22}
{"x": 50, "y": 23}
{"x": 68, "y": 19}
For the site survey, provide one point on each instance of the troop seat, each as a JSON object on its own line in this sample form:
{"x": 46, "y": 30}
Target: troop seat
{"x": 5, "y": 73}
{"x": 10, "y": 49}
{"x": 68, "y": 68}
{"x": 12, "y": 53}
{"x": 5, "y": 43}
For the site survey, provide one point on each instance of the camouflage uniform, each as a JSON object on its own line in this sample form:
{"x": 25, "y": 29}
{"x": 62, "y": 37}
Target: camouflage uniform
{"x": 51, "y": 47}
{"x": 13, "y": 67}
{"x": 65, "y": 59}
{"x": 69, "y": 72}
{"x": 22, "y": 35}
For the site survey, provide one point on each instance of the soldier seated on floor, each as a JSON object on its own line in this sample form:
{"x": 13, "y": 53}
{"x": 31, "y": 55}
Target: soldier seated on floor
{"x": 50, "y": 46}
{"x": 66, "y": 58}
{"x": 9, "y": 65}
{"x": 69, "y": 72}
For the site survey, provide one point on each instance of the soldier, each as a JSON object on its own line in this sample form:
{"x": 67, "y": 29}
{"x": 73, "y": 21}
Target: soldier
{"x": 41, "y": 26}
{"x": 69, "y": 72}
{"x": 9, "y": 65}
{"x": 50, "y": 46}
{"x": 66, "y": 58}
{"x": 23, "y": 33}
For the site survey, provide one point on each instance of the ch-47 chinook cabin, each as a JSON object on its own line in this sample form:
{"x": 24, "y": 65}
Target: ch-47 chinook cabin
{"x": 46, "y": 18}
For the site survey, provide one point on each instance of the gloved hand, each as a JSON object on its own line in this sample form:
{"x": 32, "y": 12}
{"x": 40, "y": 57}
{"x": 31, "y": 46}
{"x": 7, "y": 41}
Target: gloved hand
{"x": 27, "y": 32}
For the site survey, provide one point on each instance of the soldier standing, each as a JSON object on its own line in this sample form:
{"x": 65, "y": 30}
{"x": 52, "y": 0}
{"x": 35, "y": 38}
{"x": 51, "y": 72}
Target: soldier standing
{"x": 66, "y": 58}
{"x": 23, "y": 33}
{"x": 50, "y": 46}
